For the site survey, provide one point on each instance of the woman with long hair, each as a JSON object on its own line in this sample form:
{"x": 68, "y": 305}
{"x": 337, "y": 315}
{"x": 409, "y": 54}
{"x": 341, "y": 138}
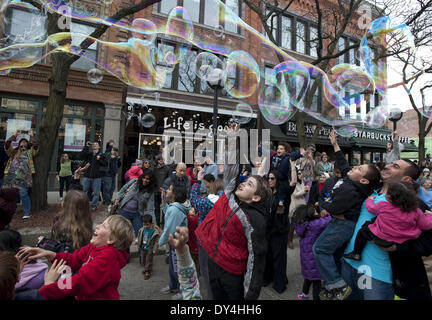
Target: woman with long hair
{"x": 73, "y": 226}
{"x": 277, "y": 238}
{"x": 137, "y": 199}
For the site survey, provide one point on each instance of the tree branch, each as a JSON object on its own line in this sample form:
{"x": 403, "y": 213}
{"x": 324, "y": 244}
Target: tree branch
{"x": 102, "y": 28}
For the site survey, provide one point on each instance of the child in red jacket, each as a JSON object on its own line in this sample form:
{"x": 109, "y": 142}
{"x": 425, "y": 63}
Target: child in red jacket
{"x": 233, "y": 234}
{"x": 95, "y": 267}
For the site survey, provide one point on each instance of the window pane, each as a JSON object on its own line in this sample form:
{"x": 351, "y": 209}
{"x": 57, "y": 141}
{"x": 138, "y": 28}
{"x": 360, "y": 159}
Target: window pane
{"x": 21, "y": 105}
{"x": 352, "y": 58}
{"x": 193, "y": 9}
{"x": 341, "y": 46}
{"x": 301, "y": 37}
{"x": 313, "y": 36}
{"x": 286, "y": 32}
{"x": 187, "y": 74}
{"x": 164, "y": 49}
{"x": 27, "y": 27}
{"x": 272, "y": 23}
{"x": 11, "y": 122}
{"x": 167, "y": 5}
{"x": 234, "y": 6}
{"x": 79, "y": 32}
{"x": 211, "y": 13}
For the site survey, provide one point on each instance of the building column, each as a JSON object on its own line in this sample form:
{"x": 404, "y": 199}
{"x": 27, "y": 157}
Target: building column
{"x": 112, "y": 130}
{"x": 112, "y": 124}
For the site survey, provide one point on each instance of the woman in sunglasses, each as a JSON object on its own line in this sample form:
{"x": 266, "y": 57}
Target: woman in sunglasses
{"x": 277, "y": 238}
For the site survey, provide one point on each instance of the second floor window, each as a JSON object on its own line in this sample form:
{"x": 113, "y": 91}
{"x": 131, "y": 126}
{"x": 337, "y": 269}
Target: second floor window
{"x": 91, "y": 52}
{"x": 293, "y": 33}
{"x": 206, "y": 12}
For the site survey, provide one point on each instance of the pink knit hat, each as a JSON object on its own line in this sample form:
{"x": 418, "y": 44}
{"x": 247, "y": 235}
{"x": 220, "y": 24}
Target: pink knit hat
{"x": 135, "y": 172}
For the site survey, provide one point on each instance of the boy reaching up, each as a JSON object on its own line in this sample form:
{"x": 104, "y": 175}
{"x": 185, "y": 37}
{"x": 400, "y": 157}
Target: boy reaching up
{"x": 233, "y": 234}
{"x": 343, "y": 205}
{"x": 95, "y": 267}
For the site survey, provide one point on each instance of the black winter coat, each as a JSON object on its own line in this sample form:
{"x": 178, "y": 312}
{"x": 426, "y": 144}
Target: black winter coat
{"x": 346, "y": 197}
{"x": 98, "y": 168}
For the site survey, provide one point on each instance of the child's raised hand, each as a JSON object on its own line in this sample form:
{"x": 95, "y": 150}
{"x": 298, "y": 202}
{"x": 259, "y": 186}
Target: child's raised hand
{"x": 181, "y": 237}
{"x": 34, "y": 253}
{"x": 53, "y": 273}
{"x": 371, "y": 197}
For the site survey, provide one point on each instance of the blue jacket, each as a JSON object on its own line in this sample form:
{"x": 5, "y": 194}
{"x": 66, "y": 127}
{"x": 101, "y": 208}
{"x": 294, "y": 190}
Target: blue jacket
{"x": 175, "y": 216}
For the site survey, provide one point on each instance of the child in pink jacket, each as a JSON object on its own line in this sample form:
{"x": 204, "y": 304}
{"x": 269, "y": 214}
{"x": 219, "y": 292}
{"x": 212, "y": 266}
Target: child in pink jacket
{"x": 397, "y": 221}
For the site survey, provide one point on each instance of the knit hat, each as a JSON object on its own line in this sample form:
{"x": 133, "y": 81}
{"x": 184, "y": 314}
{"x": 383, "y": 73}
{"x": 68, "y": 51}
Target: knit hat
{"x": 138, "y": 162}
{"x": 135, "y": 172}
{"x": 426, "y": 170}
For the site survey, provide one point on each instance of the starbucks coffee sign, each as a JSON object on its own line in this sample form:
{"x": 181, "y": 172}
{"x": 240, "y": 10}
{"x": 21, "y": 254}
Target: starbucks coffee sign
{"x": 361, "y": 133}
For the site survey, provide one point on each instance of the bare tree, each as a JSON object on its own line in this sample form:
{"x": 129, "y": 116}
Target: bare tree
{"x": 415, "y": 66}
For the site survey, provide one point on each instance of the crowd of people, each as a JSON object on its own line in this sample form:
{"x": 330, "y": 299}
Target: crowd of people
{"x": 363, "y": 230}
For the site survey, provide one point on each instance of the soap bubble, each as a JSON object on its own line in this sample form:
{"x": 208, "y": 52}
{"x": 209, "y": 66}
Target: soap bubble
{"x": 377, "y": 117}
{"x": 148, "y": 120}
{"x": 95, "y": 75}
{"x": 243, "y": 113}
{"x": 347, "y": 131}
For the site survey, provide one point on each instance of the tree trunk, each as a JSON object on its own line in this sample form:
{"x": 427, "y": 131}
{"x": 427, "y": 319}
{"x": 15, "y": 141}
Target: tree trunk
{"x": 48, "y": 130}
{"x": 421, "y": 145}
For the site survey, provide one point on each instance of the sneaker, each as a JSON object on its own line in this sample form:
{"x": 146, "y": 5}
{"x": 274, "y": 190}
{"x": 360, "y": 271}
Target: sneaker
{"x": 302, "y": 296}
{"x": 342, "y": 293}
{"x": 93, "y": 208}
{"x": 325, "y": 294}
{"x": 147, "y": 275}
{"x": 26, "y": 217}
{"x": 177, "y": 296}
{"x": 353, "y": 256}
{"x": 167, "y": 290}
{"x": 61, "y": 199}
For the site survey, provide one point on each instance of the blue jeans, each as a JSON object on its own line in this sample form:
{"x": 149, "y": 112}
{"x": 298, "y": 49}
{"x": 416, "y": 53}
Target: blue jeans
{"x": 107, "y": 183}
{"x": 337, "y": 233}
{"x": 26, "y": 202}
{"x": 174, "y": 282}
{"x": 364, "y": 287}
{"x": 95, "y": 186}
{"x": 134, "y": 218}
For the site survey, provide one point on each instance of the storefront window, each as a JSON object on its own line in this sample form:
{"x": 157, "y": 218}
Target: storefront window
{"x": 77, "y": 110}
{"x": 366, "y": 158}
{"x": 356, "y": 158}
{"x": 19, "y": 105}
{"x": 11, "y": 122}
{"x": 73, "y": 135}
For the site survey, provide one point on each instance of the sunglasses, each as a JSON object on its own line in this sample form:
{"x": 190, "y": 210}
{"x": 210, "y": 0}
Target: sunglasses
{"x": 271, "y": 178}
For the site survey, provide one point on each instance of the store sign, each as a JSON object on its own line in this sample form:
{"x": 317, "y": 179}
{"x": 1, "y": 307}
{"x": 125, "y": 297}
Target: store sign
{"x": 291, "y": 127}
{"x": 180, "y": 124}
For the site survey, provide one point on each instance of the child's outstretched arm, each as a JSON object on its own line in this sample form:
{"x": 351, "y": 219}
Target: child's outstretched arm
{"x": 373, "y": 208}
{"x": 187, "y": 274}
{"x": 341, "y": 163}
{"x": 424, "y": 221}
{"x": 232, "y": 163}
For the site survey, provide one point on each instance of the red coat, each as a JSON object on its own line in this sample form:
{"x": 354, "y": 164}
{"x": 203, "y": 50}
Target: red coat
{"x": 233, "y": 235}
{"x": 96, "y": 274}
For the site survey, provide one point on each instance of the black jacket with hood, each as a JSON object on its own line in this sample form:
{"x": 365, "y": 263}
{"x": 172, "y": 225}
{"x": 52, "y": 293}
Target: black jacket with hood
{"x": 347, "y": 196}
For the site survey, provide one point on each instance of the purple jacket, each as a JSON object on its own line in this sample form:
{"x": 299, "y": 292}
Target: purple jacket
{"x": 308, "y": 233}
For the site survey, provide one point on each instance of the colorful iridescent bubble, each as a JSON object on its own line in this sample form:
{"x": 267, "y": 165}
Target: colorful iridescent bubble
{"x": 351, "y": 78}
{"x": 377, "y": 117}
{"x": 206, "y": 63}
{"x": 274, "y": 104}
{"x": 145, "y": 30}
{"x": 243, "y": 113}
{"x": 5, "y": 72}
{"x": 241, "y": 62}
{"x": 347, "y": 131}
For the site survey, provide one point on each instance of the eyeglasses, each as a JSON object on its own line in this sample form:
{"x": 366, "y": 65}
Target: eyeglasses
{"x": 271, "y": 178}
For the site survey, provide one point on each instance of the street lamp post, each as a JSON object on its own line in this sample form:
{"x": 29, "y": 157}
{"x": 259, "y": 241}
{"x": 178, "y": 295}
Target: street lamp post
{"x": 215, "y": 82}
{"x": 395, "y": 116}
